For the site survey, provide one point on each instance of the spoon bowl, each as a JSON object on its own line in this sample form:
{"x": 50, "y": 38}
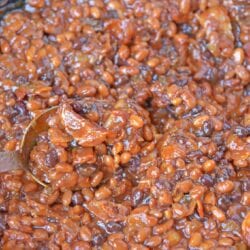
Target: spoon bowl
{"x": 20, "y": 159}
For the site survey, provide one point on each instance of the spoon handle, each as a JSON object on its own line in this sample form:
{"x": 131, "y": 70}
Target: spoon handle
{"x": 10, "y": 161}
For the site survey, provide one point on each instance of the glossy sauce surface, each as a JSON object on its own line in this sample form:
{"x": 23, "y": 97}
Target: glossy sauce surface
{"x": 150, "y": 146}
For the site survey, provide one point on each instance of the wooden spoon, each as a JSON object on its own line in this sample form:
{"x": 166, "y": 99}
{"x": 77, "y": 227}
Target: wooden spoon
{"x": 20, "y": 159}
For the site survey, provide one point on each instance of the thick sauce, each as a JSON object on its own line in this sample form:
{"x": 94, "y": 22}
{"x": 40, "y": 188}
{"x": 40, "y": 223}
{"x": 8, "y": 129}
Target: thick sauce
{"x": 150, "y": 146}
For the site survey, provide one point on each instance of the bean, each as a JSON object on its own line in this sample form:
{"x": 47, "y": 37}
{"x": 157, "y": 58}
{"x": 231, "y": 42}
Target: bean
{"x": 86, "y": 91}
{"x": 52, "y": 197}
{"x": 238, "y": 55}
{"x": 153, "y": 62}
{"x": 153, "y": 241}
{"x": 141, "y": 55}
{"x": 149, "y": 145}
{"x": 125, "y": 157}
{"x": 108, "y": 160}
{"x": 36, "y": 3}
{"x": 226, "y": 242}
{"x": 64, "y": 168}
{"x": 88, "y": 195}
{"x": 245, "y": 200}
{"x": 224, "y": 187}
{"x": 119, "y": 244}
{"x": 96, "y": 179}
{"x": 95, "y": 12}
{"x": 66, "y": 198}
{"x": 185, "y": 186}
{"x": 142, "y": 234}
{"x": 85, "y": 234}
{"x": 185, "y": 6}
{"x": 128, "y": 70}
{"x": 103, "y": 193}
{"x": 173, "y": 237}
{"x": 40, "y": 235}
{"x": 195, "y": 239}
{"x": 200, "y": 120}
{"x": 67, "y": 181}
{"x": 124, "y": 52}
{"x": 136, "y": 121}
{"x": 81, "y": 245}
{"x": 209, "y": 166}
{"x": 107, "y": 77}
{"x": 162, "y": 228}
{"x": 218, "y": 214}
